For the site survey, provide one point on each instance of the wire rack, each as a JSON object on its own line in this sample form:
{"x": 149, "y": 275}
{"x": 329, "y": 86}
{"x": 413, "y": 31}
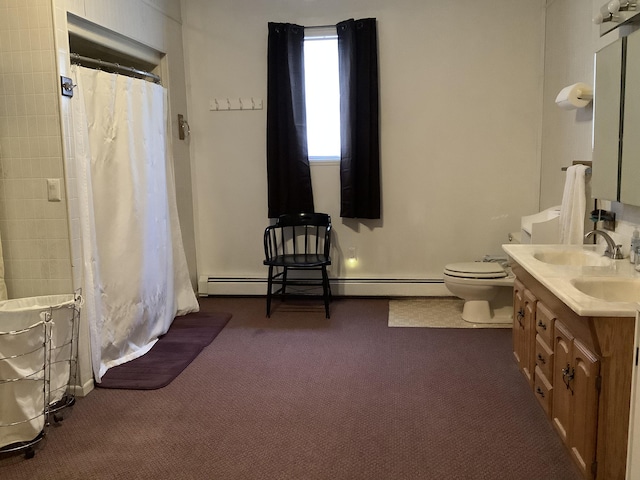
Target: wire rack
{"x": 24, "y": 377}
{"x": 38, "y": 370}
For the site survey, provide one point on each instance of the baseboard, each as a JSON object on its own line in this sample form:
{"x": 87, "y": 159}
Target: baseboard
{"x": 339, "y": 286}
{"x": 83, "y": 390}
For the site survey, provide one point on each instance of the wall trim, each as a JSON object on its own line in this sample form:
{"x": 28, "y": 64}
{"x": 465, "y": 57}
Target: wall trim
{"x": 103, "y": 37}
{"x": 84, "y": 389}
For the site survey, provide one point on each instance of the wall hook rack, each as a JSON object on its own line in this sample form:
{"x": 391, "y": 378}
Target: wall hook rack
{"x": 225, "y": 104}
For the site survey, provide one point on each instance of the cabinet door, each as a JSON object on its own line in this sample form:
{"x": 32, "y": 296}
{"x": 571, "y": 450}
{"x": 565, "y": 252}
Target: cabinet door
{"x": 562, "y": 376}
{"x": 518, "y": 322}
{"x": 582, "y": 438}
{"x": 529, "y": 348}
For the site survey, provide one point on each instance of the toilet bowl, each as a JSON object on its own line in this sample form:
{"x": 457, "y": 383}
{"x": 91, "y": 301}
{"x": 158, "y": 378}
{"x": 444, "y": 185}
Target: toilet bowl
{"x": 485, "y": 287}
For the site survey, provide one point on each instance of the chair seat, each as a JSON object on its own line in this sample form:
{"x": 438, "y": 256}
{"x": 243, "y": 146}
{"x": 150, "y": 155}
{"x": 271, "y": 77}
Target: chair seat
{"x": 299, "y": 260}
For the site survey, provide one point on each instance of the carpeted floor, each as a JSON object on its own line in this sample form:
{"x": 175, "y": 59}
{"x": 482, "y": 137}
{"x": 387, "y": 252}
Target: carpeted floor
{"x": 432, "y": 312}
{"x": 300, "y": 397}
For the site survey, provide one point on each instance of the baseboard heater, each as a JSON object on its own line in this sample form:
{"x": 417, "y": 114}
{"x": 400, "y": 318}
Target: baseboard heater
{"x": 407, "y": 287}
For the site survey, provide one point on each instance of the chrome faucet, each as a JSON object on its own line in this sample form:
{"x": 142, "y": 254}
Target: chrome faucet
{"x": 612, "y": 250}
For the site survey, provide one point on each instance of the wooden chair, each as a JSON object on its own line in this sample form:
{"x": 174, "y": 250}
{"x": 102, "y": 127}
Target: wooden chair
{"x": 299, "y": 241}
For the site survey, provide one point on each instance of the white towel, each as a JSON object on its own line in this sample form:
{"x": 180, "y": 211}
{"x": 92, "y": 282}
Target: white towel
{"x": 572, "y": 210}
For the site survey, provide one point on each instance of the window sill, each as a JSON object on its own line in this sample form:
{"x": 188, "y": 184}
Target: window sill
{"x": 324, "y": 161}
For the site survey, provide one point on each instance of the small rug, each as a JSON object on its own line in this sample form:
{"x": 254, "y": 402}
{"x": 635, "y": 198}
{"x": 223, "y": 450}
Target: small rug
{"x": 171, "y": 354}
{"x": 433, "y": 312}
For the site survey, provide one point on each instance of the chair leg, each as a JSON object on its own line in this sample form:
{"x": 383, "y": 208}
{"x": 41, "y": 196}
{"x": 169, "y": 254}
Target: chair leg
{"x": 326, "y": 289}
{"x": 283, "y": 290}
{"x": 269, "y": 287}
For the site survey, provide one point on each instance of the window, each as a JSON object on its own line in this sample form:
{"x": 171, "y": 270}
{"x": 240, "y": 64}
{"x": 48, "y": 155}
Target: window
{"x": 322, "y": 94}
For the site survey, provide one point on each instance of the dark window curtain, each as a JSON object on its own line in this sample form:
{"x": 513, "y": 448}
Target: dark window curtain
{"x": 288, "y": 172}
{"x": 359, "y": 119}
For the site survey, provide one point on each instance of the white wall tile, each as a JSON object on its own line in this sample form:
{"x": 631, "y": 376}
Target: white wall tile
{"x": 34, "y": 231}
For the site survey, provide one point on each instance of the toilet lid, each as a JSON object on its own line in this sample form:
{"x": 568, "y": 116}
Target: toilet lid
{"x": 475, "y": 270}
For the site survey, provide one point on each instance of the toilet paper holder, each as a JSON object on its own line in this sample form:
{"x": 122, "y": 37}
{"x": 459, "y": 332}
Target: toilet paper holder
{"x": 574, "y": 96}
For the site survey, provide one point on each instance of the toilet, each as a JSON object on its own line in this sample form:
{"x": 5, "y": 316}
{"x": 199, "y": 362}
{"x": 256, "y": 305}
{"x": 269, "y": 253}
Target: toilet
{"x": 486, "y": 288}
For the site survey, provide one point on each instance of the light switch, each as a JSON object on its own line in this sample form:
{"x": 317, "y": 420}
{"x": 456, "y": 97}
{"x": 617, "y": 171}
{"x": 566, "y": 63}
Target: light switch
{"x": 53, "y": 190}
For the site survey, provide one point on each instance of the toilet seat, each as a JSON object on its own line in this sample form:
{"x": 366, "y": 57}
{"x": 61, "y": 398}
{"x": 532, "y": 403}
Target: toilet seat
{"x": 487, "y": 270}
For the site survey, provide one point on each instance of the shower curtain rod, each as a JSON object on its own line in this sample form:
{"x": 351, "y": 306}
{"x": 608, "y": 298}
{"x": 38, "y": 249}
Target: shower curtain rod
{"x": 96, "y": 61}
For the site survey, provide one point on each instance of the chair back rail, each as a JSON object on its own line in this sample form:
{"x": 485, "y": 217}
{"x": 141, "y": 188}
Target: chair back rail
{"x": 304, "y": 234}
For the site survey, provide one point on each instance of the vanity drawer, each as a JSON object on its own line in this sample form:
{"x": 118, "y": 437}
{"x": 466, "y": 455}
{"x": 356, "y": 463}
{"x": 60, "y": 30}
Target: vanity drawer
{"x": 543, "y": 391}
{"x": 544, "y": 358}
{"x": 545, "y": 320}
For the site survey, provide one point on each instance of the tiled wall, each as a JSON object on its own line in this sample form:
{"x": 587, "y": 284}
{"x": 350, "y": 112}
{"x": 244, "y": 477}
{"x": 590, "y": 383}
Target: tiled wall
{"x": 33, "y": 230}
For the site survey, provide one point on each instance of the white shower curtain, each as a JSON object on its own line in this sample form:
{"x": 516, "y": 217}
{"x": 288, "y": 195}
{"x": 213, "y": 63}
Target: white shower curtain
{"x": 135, "y": 272}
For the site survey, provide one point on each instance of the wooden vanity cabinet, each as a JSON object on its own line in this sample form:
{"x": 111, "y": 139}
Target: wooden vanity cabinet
{"x": 524, "y": 329}
{"x": 519, "y": 342}
{"x": 544, "y": 357}
{"x": 545, "y": 323}
{"x": 576, "y": 391}
{"x": 561, "y": 415}
{"x": 579, "y": 369}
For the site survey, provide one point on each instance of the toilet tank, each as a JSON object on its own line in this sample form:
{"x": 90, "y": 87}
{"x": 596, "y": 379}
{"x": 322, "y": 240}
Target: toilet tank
{"x": 542, "y": 227}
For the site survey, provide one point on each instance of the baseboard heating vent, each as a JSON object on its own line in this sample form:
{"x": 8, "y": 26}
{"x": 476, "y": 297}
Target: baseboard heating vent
{"x": 407, "y": 287}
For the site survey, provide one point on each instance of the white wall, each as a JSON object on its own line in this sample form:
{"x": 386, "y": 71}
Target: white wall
{"x": 569, "y": 53}
{"x": 571, "y": 41}
{"x": 461, "y": 84}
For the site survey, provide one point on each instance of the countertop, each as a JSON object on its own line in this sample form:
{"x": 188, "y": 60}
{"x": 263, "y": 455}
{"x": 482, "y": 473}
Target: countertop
{"x": 557, "y": 278}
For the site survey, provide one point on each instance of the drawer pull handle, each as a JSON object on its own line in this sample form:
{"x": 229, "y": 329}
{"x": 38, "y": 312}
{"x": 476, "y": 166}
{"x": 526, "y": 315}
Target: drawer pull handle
{"x": 520, "y": 317}
{"x": 567, "y": 376}
{"x": 542, "y": 325}
{"x": 540, "y": 392}
{"x": 541, "y": 359}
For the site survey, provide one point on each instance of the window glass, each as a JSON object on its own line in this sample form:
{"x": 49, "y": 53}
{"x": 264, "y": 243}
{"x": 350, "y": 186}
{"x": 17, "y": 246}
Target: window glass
{"x": 322, "y": 91}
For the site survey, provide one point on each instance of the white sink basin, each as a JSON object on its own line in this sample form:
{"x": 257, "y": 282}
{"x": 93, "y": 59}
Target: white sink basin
{"x": 573, "y": 258}
{"x": 609, "y": 289}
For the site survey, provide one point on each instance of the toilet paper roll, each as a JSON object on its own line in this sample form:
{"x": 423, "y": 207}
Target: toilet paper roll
{"x": 574, "y": 96}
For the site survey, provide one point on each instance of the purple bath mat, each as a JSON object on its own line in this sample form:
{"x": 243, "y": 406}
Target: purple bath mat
{"x": 171, "y": 354}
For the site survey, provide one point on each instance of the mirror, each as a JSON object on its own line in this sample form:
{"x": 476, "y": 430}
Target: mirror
{"x": 606, "y": 122}
{"x": 630, "y": 164}
{"x": 616, "y": 147}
